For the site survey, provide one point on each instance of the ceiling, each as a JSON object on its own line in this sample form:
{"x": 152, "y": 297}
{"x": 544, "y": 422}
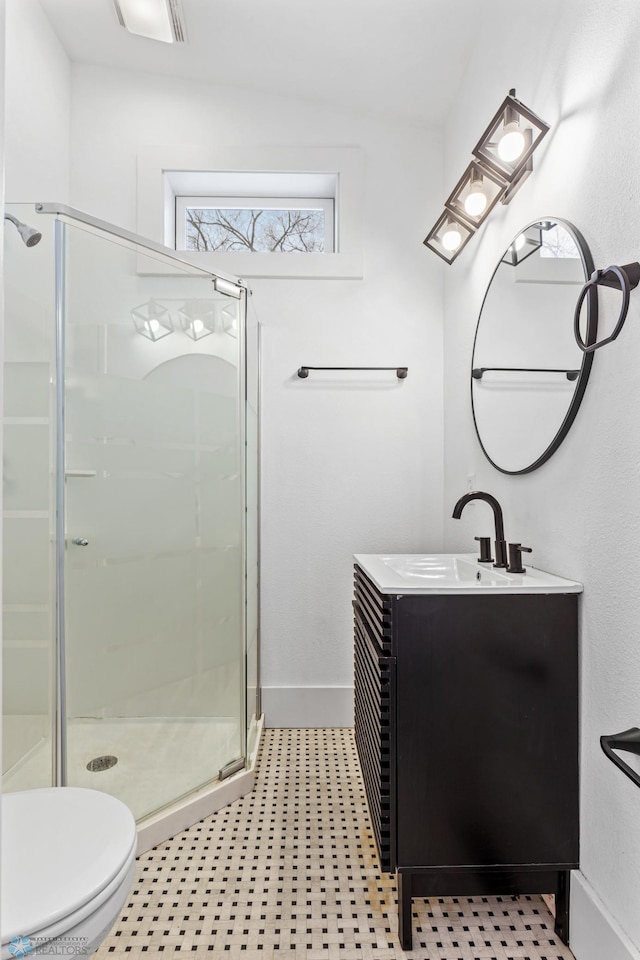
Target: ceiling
{"x": 402, "y": 58}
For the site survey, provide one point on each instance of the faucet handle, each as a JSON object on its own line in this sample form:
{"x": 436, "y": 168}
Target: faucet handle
{"x": 485, "y": 549}
{"x": 515, "y": 558}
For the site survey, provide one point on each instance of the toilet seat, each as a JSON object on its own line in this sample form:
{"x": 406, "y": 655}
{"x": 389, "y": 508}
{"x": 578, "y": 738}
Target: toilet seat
{"x": 66, "y": 852}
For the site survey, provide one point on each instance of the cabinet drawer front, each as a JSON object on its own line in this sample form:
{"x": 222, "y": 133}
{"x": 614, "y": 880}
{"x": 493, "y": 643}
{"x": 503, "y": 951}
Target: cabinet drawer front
{"x": 374, "y": 734}
{"x": 375, "y": 610}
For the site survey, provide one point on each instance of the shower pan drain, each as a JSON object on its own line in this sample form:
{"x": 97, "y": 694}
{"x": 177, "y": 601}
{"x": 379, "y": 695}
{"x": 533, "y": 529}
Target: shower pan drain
{"x": 101, "y": 763}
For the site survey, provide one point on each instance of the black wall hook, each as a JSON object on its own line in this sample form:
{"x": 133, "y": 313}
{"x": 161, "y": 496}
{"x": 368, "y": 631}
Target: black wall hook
{"x": 628, "y": 740}
{"x": 625, "y": 279}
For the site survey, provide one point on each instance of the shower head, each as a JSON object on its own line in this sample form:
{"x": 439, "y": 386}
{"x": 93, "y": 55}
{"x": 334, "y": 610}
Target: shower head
{"x": 28, "y": 234}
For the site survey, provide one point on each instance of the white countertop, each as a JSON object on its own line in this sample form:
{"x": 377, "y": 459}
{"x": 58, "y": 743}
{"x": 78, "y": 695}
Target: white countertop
{"x": 455, "y": 573}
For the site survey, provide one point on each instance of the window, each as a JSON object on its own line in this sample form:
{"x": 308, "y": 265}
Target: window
{"x": 329, "y": 181}
{"x": 255, "y": 224}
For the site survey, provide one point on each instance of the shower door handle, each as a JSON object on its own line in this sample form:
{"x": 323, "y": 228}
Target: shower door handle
{"x": 80, "y": 542}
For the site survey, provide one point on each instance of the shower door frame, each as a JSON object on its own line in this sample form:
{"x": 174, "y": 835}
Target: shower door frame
{"x": 59, "y": 678}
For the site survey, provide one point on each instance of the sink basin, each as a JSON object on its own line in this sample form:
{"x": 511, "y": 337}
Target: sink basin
{"x": 450, "y": 573}
{"x": 445, "y": 568}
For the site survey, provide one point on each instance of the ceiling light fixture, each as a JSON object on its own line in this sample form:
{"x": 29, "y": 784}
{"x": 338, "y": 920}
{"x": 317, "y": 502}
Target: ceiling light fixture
{"x": 156, "y": 19}
{"x": 502, "y": 162}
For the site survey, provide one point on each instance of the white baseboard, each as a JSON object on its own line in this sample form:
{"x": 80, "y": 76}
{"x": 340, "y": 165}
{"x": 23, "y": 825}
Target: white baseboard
{"x": 307, "y": 706}
{"x": 593, "y": 932}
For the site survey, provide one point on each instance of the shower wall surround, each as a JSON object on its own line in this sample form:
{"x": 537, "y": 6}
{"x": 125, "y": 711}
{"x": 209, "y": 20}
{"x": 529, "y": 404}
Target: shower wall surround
{"x": 35, "y": 126}
{"x": 28, "y": 516}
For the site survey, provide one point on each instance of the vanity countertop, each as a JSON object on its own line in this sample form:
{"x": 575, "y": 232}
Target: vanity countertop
{"x": 455, "y": 573}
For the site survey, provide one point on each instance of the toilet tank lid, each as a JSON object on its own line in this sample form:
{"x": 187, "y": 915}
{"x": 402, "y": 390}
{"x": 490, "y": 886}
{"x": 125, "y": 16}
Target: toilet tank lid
{"x": 61, "y": 846}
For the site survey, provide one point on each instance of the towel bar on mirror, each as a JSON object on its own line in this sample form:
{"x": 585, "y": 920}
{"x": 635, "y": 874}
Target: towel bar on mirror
{"x": 478, "y": 372}
{"x": 628, "y": 740}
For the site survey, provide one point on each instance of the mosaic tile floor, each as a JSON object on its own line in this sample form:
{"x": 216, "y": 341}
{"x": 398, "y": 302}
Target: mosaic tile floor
{"x": 291, "y": 870}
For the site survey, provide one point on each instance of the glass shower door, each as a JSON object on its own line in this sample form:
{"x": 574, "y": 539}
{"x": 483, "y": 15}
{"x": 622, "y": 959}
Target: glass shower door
{"x": 153, "y": 553}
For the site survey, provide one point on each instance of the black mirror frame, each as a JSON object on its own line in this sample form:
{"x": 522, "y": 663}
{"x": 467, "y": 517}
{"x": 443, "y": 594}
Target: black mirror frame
{"x": 587, "y": 359}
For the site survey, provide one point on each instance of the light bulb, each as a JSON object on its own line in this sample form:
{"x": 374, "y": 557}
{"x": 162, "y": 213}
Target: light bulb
{"x": 153, "y": 325}
{"x": 452, "y": 238}
{"x": 197, "y": 325}
{"x": 511, "y": 143}
{"x": 476, "y": 200}
{"x": 519, "y": 242}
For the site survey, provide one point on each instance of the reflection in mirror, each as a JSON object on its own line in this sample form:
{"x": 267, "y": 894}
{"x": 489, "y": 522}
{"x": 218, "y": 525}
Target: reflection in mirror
{"x": 528, "y": 374}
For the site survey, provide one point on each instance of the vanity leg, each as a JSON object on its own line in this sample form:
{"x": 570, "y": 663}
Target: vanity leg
{"x": 562, "y": 906}
{"x": 404, "y": 910}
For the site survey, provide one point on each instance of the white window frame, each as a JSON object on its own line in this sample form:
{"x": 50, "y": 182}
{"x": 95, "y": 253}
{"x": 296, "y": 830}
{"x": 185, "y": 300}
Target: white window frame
{"x": 327, "y": 205}
{"x": 161, "y": 168}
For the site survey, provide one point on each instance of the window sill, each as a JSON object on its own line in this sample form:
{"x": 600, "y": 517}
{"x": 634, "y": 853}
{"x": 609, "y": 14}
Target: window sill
{"x": 279, "y": 266}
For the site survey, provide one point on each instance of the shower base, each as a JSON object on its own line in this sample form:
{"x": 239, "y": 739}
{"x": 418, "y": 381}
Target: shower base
{"x": 159, "y": 767}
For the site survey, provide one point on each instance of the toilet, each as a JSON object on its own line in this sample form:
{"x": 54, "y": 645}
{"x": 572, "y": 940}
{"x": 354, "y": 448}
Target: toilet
{"x": 68, "y": 862}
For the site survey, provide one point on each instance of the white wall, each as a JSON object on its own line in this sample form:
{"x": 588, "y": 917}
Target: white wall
{"x": 28, "y": 609}
{"x": 347, "y": 466}
{"x": 37, "y": 107}
{"x": 579, "y": 512}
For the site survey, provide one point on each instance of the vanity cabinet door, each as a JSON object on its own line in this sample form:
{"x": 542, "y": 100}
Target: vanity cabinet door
{"x": 487, "y": 730}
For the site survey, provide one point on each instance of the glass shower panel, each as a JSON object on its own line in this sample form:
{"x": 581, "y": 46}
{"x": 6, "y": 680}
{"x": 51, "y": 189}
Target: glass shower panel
{"x": 154, "y": 566}
{"x": 28, "y": 597}
{"x": 252, "y": 496}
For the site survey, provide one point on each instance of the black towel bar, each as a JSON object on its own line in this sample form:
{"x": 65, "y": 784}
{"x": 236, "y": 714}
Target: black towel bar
{"x": 628, "y": 740}
{"x": 478, "y": 372}
{"x": 401, "y": 372}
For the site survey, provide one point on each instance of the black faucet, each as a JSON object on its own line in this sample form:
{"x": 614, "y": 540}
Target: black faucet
{"x": 501, "y": 545}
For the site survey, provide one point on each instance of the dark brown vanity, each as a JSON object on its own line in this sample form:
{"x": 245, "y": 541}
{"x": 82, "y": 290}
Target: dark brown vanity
{"x": 466, "y": 725}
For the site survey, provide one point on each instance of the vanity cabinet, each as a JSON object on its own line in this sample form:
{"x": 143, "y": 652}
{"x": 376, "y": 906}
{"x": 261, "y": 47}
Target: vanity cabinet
{"x": 466, "y": 726}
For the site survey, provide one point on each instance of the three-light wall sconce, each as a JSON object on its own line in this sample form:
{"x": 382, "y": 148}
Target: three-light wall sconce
{"x": 502, "y": 162}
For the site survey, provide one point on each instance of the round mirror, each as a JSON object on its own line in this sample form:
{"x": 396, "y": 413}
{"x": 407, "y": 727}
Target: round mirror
{"x": 528, "y": 374}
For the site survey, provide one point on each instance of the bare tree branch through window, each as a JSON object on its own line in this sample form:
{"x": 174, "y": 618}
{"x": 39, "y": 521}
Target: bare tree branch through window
{"x": 256, "y": 231}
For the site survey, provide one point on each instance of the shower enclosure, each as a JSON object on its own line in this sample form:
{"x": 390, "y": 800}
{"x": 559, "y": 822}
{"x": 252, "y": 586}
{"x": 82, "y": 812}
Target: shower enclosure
{"x": 130, "y": 517}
